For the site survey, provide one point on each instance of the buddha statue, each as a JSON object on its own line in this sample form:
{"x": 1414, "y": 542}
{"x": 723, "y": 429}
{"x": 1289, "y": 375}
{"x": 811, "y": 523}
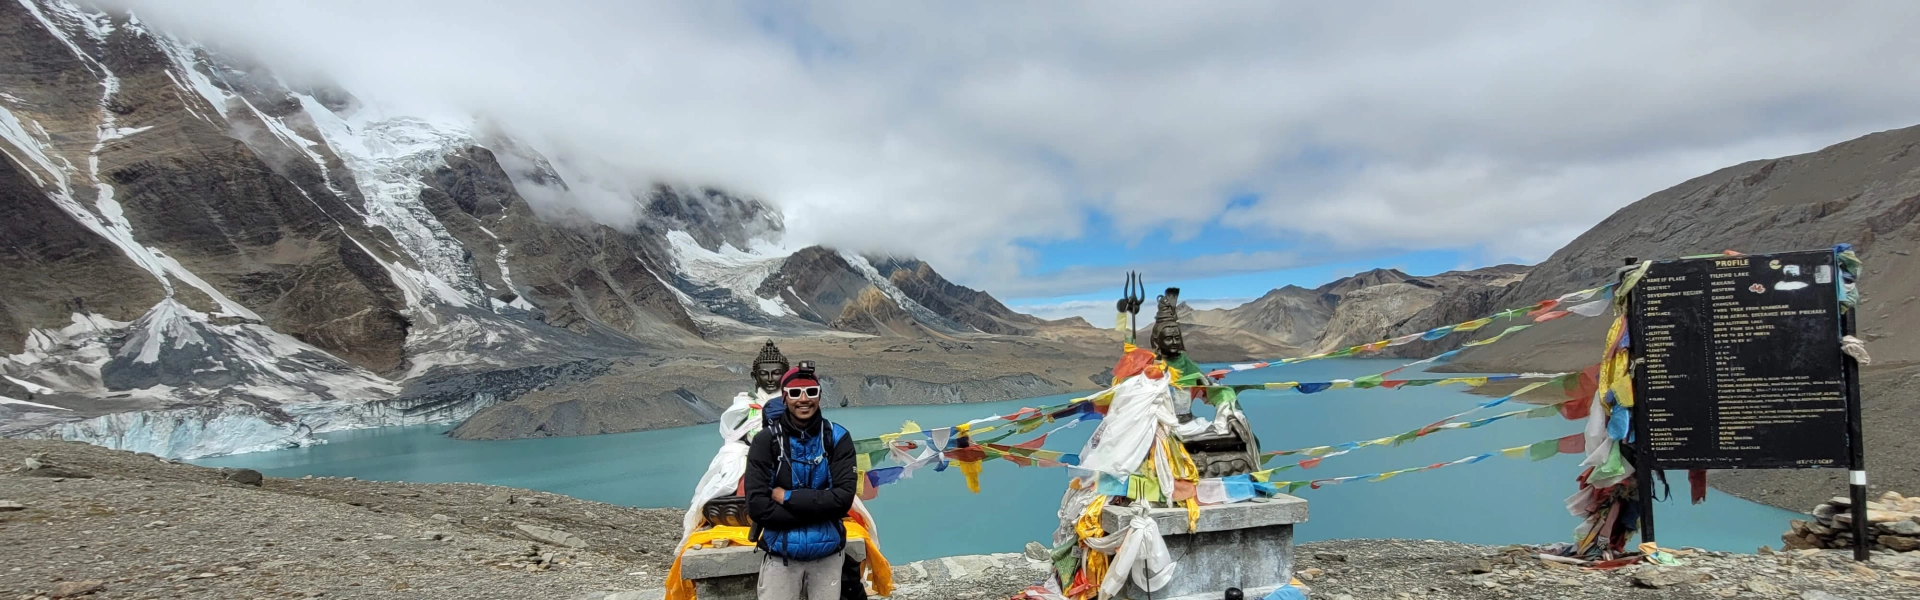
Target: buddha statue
{"x": 718, "y": 499}
{"x": 768, "y": 367}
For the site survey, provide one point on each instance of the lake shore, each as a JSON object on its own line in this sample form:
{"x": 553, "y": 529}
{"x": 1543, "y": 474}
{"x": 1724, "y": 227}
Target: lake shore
{"x": 126, "y": 525}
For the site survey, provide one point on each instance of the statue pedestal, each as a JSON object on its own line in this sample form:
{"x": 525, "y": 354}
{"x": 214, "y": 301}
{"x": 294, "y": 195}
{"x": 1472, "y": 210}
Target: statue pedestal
{"x": 1248, "y": 545}
{"x": 733, "y": 573}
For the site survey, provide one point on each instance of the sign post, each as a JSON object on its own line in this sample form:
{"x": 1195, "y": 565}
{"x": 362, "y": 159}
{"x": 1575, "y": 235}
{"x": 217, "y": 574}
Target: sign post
{"x": 1737, "y": 365}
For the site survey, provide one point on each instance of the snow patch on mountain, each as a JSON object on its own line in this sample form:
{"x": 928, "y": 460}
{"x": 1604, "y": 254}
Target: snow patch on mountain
{"x": 387, "y": 155}
{"x": 192, "y": 384}
{"x": 739, "y": 272}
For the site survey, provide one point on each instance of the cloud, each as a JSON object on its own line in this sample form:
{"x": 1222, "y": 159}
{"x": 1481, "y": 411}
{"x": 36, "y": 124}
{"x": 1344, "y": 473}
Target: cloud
{"x": 958, "y": 132}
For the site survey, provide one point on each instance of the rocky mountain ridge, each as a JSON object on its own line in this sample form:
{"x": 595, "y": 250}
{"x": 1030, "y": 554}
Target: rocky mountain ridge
{"x": 1361, "y": 308}
{"x": 204, "y": 258}
{"x": 1864, "y": 192}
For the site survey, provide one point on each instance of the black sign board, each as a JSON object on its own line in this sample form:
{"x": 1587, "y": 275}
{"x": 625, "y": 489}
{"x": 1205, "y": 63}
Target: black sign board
{"x": 1740, "y": 364}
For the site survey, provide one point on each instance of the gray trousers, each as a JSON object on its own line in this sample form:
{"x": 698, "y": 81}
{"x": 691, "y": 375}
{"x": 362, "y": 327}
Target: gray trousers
{"x": 782, "y": 579}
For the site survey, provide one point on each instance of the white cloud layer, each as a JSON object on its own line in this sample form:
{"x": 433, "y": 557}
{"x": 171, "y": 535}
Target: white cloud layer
{"x": 952, "y": 131}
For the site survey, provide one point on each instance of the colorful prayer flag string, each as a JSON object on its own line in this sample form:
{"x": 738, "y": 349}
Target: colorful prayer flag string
{"x": 1576, "y": 303}
{"x": 1575, "y": 391}
{"x": 1541, "y": 450}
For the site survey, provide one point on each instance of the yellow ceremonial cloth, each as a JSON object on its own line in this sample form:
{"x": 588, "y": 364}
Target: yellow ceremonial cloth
{"x": 876, "y": 568}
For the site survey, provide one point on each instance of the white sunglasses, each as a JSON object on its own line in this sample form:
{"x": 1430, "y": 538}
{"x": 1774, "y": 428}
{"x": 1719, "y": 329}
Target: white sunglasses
{"x": 812, "y": 391}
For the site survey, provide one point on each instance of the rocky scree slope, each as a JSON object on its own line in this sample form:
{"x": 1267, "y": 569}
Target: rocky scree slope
{"x": 203, "y": 258}
{"x": 1864, "y": 191}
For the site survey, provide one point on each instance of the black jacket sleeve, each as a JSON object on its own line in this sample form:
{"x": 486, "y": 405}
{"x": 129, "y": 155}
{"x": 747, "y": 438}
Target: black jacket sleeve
{"x": 761, "y": 461}
{"x": 830, "y": 504}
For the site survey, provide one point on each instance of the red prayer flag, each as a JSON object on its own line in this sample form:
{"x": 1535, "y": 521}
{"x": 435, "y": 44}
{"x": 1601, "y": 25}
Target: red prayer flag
{"x": 1550, "y": 316}
{"x": 1311, "y": 462}
{"x": 1543, "y": 306}
{"x": 1573, "y": 444}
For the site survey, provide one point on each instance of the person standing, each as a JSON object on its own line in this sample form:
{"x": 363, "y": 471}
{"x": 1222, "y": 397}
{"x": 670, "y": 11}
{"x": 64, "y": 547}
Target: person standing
{"x": 801, "y": 481}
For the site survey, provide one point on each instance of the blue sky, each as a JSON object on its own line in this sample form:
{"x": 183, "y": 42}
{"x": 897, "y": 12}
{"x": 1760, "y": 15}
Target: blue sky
{"x": 1102, "y": 251}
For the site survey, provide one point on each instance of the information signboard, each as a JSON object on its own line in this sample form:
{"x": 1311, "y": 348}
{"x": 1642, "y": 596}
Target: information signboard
{"x": 1740, "y": 364}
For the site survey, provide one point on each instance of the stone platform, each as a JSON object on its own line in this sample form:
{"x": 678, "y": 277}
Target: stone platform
{"x": 1248, "y": 545}
{"x": 733, "y": 573}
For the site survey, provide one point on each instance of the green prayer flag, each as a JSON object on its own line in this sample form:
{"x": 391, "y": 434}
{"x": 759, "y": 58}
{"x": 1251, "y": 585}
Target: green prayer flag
{"x": 1369, "y": 381}
{"x": 1543, "y": 450}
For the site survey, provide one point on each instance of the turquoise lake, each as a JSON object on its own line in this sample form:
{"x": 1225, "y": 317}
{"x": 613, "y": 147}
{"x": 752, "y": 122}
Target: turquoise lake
{"x": 1496, "y": 501}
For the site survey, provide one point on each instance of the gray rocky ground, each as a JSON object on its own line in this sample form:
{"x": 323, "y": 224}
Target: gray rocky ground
{"x": 89, "y": 522}
{"x": 1430, "y": 570}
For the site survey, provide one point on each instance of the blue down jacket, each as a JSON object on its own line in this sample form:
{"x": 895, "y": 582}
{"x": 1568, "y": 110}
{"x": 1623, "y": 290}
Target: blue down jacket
{"x": 816, "y": 466}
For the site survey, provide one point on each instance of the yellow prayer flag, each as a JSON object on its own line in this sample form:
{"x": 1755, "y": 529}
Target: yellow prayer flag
{"x": 1472, "y": 325}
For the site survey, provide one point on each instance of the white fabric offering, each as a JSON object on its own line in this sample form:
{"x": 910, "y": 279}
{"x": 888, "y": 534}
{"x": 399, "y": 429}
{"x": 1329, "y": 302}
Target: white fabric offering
{"x": 1141, "y": 406}
{"x": 1138, "y": 552}
{"x": 737, "y": 425}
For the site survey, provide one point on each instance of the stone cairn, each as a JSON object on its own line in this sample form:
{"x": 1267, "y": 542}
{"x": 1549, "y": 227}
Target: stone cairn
{"x": 1894, "y": 519}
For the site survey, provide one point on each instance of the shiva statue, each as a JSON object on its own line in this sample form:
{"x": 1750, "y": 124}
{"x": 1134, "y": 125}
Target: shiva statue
{"x": 1225, "y": 447}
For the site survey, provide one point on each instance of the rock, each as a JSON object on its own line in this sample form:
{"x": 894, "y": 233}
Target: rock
{"x": 10, "y": 505}
{"x": 441, "y": 518}
{"x": 1329, "y": 557}
{"x": 500, "y": 497}
{"x": 1482, "y": 566}
{"x": 1818, "y": 529}
{"x": 550, "y": 536}
{"x": 1899, "y": 543}
{"x": 1907, "y": 527}
{"x": 1825, "y": 512}
{"x": 349, "y": 479}
{"x": 1659, "y": 577}
{"x": 245, "y": 477}
{"x": 1311, "y": 574}
{"x": 32, "y": 463}
{"x": 56, "y": 473}
{"x": 1865, "y": 571}
{"x": 1036, "y": 551}
{"x": 69, "y": 589}
{"x": 1819, "y": 595}
{"x": 1763, "y": 588}
{"x": 434, "y": 535}
{"x": 1797, "y": 526}
{"x": 384, "y": 537}
{"x": 1764, "y": 551}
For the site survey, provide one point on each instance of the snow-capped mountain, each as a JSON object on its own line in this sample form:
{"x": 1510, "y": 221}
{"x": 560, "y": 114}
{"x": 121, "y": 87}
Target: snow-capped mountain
{"x": 200, "y": 258}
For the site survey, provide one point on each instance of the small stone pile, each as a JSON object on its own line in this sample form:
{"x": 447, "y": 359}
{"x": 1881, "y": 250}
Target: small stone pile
{"x": 1894, "y": 525}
